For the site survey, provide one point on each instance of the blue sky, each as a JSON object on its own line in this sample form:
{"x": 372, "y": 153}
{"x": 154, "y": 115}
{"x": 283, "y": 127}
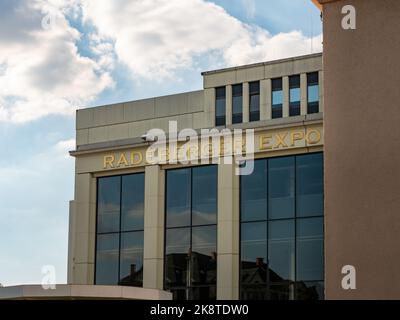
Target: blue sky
{"x": 88, "y": 53}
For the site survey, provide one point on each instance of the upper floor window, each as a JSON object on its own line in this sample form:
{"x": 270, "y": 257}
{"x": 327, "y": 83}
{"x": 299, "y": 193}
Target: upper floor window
{"x": 277, "y": 98}
{"x": 220, "y": 101}
{"x": 237, "y": 103}
{"x": 312, "y": 92}
{"x": 254, "y": 105}
{"x": 119, "y": 234}
{"x": 294, "y": 95}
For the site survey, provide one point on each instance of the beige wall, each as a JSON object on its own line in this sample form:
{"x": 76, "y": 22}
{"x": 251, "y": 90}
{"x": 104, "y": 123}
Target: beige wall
{"x": 362, "y": 148}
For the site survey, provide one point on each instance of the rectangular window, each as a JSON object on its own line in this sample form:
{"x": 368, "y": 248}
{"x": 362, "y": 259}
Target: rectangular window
{"x": 282, "y": 235}
{"x": 294, "y": 95}
{"x": 237, "y": 103}
{"x": 119, "y": 232}
{"x": 220, "y": 106}
{"x": 277, "y": 98}
{"x": 190, "y": 270}
{"x": 254, "y": 103}
{"x": 312, "y": 93}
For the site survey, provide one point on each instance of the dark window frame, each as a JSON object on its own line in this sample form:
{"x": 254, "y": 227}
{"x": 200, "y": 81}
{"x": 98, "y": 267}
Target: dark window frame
{"x": 313, "y": 80}
{"x": 191, "y": 226}
{"x": 237, "y": 117}
{"x": 294, "y": 106}
{"x": 268, "y": 220}
{"x": 254, "y": 115}
{"x": 220, "y": 120}
{"x": 276, "y": 109}
{"x": 119, "y": 232}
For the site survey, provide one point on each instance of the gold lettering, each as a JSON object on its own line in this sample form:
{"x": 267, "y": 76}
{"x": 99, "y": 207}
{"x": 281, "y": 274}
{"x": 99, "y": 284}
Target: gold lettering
{"x": 122, "y": 160}
{"x": 108, "y": 161}
{"x": 136, "y": 158}
{"x": 310, "y": 134}
{"x": 280, "y": 140}
{"x": 296, "y": 136}
{"x": 265, "y": 142}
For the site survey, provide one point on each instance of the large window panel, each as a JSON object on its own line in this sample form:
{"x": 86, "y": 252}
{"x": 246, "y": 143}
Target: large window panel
{"x": 281, "y": 255}
{"x": 310, "y": 185}
{"x": 204, "y": 195}
{"x": 178, "y": 197}
{"x": 277, "y": 98}
{"x": 220, "y": 106}
{"x": 312, "y": 92}
{"x": 254, "y": 104}
{"x": 108, "y": 205}
{"x": 204, "y": 255}
{"x": 254, "y": 191}
{"x": 132, "y": 202}
{"x": 281, "y": 188}
{"x": 107, "y": 259}
{"x": 131, "y": 263}
{"x": 294, "y": 95}
{"x": 310, "y": 249}
{"x": 177, "y": 251}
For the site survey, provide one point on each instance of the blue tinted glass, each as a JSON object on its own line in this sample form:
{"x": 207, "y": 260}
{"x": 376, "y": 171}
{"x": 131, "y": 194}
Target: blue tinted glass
{"x": 313, "y": 93}
{"x": 281, "y": 250}
{"x": 177, "y": 249}
{"x": 310, "y": 185}
{"x": 132, "y": 205}
{"x": 220, "y": 108}
{"x": 204, "y": 195}
{"x": 108, "y": 204}
{"x": 107, "y": 256}
{"x": 178, "y": 198}
{"x": 253, "y": 251}
{"x": 254, "y": 103}
{"x": 131, "y": 263}
{"x": 277, "y": 97}
{"x": 295, "y": 95}
{"x": 254, "y": 193}
{"x": 310, "y": 249}
{"x": 281, "y": 188}
{"x": 204, "y": 255}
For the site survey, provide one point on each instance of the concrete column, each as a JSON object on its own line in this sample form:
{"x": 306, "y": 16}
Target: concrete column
{"x": 228, "y": 108}
{"x": 82, "y": 231}
{"x": 209, "y": 107}
{"x": 303, "y": 90}
{"x": 246, "y": 102}
{"x": 228, "y": 233}
{"x": 321, "y": 90}
{"x": 153, "y": 263}
{"x": 265, "y": 99}
{"x": 285, "y": 88}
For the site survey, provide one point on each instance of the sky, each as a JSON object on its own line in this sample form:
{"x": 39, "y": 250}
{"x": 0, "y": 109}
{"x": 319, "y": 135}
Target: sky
{"x": 60, "y": 55}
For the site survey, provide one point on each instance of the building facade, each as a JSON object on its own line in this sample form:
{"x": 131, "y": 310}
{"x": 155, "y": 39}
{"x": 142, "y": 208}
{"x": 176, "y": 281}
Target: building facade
{"x": 201, "y": 231}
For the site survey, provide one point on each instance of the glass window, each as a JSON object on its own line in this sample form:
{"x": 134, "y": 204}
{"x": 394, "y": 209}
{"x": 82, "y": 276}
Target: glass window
{"x": 120, "y": 207}
{"x": 204, "y": 195}
{"x": 294, "y": 95}
{"x": 312, "y": 92}
{"x": 277, "y": 98}
{"x": 254, "y": 105}
{"x": 281, "y": 250}
{"x": 132, "y": 202}
{"x": 309, "y": 185}
{"x": 204, "y": 255}
{"x": 281, "y": 188}
{"x": 220, "y": 101}
{"x": 107, "y": 259}
{"x": 310, "y": 249}
{"x": 108, "y": 205}
{"x": 131, "y": 263}
{"x": 237, "y": 103}
{"x": 281, "y": 254}
{"x": 253, "y": 274}
{"x": 254, "y": 193}
{"x": 178, "y": 197}
{"x": 191, "y": 233}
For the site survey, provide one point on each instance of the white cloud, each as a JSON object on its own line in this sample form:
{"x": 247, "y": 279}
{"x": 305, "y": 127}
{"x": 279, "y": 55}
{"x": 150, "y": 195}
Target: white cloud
{"x": 42, "y": 72}
{"x": 155, "y": 38}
